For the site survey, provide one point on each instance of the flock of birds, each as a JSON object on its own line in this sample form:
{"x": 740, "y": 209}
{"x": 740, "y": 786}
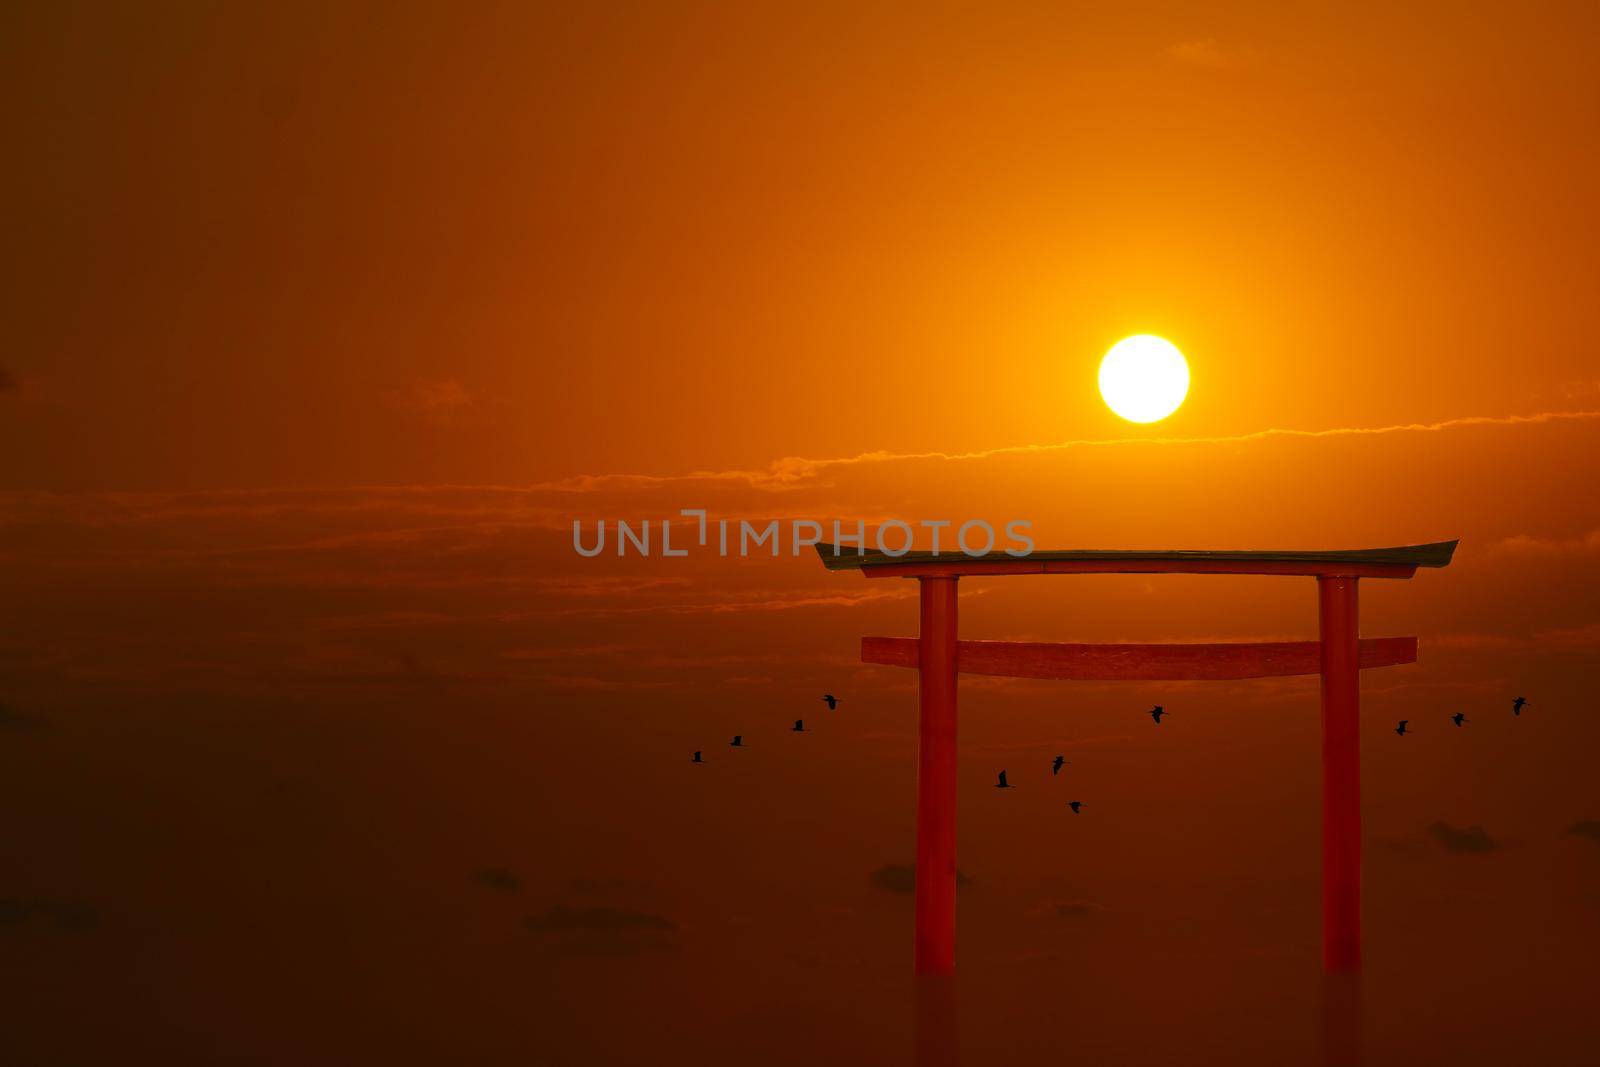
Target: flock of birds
{"x": 1061, "y": 761}
{"x": 799, "y": 727}
{"x": 1460, "y": 717}
{"x": 1156, "y": 713}
{"x": 832, "y": 701}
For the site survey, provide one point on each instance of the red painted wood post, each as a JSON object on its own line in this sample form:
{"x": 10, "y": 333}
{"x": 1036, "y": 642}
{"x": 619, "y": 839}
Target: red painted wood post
{"x": 1338, "y": 618}
{"x": 936, "y": 780}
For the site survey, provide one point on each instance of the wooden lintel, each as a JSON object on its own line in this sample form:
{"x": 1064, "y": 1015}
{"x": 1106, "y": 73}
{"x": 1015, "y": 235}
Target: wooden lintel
{"x": 1197, "y": 662}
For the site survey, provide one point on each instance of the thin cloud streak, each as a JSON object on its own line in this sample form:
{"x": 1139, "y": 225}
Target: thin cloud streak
{"x": 791, "y": 471}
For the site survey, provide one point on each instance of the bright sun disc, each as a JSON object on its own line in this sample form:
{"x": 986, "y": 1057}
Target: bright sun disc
{"x": 1144, "y": 378}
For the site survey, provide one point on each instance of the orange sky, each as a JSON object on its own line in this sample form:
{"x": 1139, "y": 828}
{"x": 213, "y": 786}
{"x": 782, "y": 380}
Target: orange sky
{"x": 389, "y": 246}
{"x": 323, "y": 327}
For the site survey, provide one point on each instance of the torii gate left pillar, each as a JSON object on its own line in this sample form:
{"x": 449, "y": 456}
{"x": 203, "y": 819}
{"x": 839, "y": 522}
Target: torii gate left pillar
{"x": 936, "y": 778}
{"x": 1338, "y": 623}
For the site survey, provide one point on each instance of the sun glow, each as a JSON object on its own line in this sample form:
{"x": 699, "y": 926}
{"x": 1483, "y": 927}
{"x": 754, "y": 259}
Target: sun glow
{"x": 1144, "y": 378}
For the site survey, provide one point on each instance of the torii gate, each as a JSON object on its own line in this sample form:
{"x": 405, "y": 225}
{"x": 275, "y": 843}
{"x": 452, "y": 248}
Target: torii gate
{"x": 1339, "y": 656}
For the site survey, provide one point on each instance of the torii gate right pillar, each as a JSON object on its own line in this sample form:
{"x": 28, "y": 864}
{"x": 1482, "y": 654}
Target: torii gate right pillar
{"x": 1338, "y": 618}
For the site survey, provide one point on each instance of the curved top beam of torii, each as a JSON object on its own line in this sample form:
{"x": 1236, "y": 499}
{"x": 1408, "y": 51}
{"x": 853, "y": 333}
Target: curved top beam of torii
{"x": 1401, "y": 562}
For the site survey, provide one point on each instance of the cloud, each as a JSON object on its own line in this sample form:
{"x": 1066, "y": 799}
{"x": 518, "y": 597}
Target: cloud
{"x": 331, "y": 587}
{"x": 16, "y": 720}
{"x": 1002, "y": 748}
{"x": 1471, "y": 640}
{"x": 498, "y": 878}
{"x": 1577, "y": 637}
{"x": 1586, "y": 636}
{"x": 440, "y": 401}
{"x": 713, "y": 603}
{"x": 1589, "y": 828}
{"x": 1452, "y": 839}
{"x": 563, "y": 917}
{"x": 608, "y": 585}
{"x": 1066, "y": 909}
{"x": 608, "y": 885}
{"x": 792, "y": 471}
{"x": 1529, "y": 545}
{"x": 601, "y": 930}
{"x": 595, "y": 683}
{"x": 1208, "y": 53}
{"x": 902, "y": 878}
{"x": 61, "y": 914}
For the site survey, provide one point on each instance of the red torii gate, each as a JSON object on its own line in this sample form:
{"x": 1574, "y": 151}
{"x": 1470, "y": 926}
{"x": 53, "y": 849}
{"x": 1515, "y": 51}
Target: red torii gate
{"x": 1339, "y": 656}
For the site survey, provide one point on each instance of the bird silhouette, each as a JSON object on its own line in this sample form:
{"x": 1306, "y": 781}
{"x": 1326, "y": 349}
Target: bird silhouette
{"x": 799, "y": 726}
{"x": 1401, "y": 729}
{"x": 1458, "y": 718}
{"x": 1002, "y": 783}
{"x": 1156, "y": 713}
{"x": 1055, "y": 765}
{"x": 737, "y": 742}
{"x": 1075, "y": 805}
{"x": 1516, "y": 705}
{"x": 830, "y": 700}
{"x": 697, "y": 758}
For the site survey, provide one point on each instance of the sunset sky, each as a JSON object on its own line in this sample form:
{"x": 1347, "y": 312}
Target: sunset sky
{"x": 324, "y": 323}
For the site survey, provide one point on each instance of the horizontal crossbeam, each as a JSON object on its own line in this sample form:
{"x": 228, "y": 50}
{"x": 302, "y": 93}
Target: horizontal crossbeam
{"x": 1194, "y": 662}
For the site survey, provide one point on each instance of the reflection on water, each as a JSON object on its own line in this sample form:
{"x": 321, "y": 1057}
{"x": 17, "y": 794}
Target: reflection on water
{"x": 936, "y": 1036}
{"x": 350, "y": 924}
{"x": 1341, "y": 1019}
{"x": 937, "y": 1030}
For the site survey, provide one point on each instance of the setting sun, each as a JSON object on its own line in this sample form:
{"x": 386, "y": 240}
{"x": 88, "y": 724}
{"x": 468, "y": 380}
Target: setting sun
{"x": 1144, "y": 378}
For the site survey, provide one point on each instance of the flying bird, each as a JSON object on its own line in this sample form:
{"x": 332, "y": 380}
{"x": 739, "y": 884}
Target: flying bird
{"x": 830, "y": 700}
{"x": 1401, "y": 729}
{"x": 1055, "y": 765}
{"x": 1002, "y": 783}
{"x": 697, "y": 758}
{"x": 1516, "y": 705}
{"x": 799, "y": 726}
{"x": 499, "y": 878}
{"x": 1075, "y": 806}
{"x": 738, "y": 741}
{"x": 1458, "y": 718}
{"x": 1156, "y": 713}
